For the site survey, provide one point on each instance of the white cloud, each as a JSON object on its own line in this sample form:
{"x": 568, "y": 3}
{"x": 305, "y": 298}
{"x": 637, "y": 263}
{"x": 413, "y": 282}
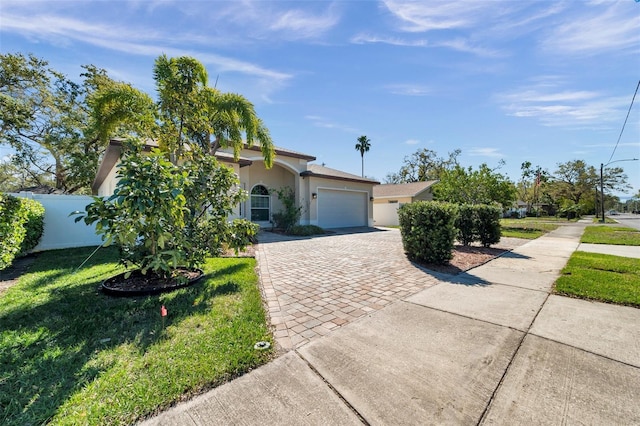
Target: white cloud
{"x": 556, "y": 106}
{"x": 429, "y": 16}
{"x": 304, "y": 25}
{"x": 463, "y": 45}
{"x": 598, "y": 31}
{"x": 325, "y": 123}
{"x": 412, "y": 142}
{"x": 599, "y": 28}
{"x": 394, "y": 41}
{"x": 409, "y": 89}
{"x": 486, "y": 152}
{"x": 148, "y": 41}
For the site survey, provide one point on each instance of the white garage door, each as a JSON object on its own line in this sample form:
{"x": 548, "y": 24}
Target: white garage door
{"x": 340, "y": 209}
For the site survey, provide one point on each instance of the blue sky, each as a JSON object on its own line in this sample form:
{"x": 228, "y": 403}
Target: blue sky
{"x": 538, "y": 81}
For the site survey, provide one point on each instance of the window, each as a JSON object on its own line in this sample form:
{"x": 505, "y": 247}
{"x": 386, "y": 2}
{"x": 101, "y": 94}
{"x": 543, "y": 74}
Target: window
{"x": 393, "y": 201}
{"x": 260, "y": 204}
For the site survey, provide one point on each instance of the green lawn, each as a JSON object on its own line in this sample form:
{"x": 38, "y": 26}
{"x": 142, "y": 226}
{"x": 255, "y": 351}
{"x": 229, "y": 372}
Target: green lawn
{"x": 611, "y": 235}
{"x": 606, "y": 220}
{"x": 530, "y": 227}
{"x": 601, "y": 277}
{"x": 71, "y": 355}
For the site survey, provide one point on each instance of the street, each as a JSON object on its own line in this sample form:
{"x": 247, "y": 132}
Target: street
{"x": 628, "y": 219}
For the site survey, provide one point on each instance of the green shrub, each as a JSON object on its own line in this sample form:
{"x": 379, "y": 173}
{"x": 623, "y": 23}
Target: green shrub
{"x": 467, "y": 225}
{"x": 428, "y": 231}
{"x": 290, "y": 216}
{"x": 164, "y": 216}
{"x": 305, "y": 230}
{"x": 487, "y": 224}
{"x": 21, "y": 227}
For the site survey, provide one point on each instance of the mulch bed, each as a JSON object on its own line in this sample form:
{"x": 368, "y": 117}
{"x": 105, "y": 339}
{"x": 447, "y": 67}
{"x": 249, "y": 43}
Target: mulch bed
{"x": 465, "y": 258}
{"x": 138, "y": 284}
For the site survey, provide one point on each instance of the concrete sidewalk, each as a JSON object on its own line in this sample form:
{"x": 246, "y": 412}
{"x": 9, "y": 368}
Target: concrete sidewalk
{"x": 623, "y": 251}
{"x": 490, "y": 346}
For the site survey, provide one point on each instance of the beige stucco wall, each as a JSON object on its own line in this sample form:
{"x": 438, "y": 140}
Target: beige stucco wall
{"x": 273, "y": 179}
{"x": 109, "y": 184}
{"x": 314, "y": 184}
{"x": 387, "y": 199}
{"x": 425, "y": 196}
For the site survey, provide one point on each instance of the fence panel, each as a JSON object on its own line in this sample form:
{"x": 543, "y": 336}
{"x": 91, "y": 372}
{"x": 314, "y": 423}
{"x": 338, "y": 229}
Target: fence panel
{"x": 60, "y": 229}
{"x": 386, "y": 214}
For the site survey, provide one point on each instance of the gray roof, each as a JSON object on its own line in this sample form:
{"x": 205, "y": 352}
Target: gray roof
{"x": 319, "y": 171}
{"x": 402, "y": 190}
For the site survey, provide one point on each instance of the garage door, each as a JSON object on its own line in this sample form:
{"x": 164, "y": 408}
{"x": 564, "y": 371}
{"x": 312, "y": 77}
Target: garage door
{"x": 340, "y": 209}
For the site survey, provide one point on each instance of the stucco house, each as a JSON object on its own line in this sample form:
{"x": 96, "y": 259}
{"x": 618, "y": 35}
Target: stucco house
{"x": 329, "y": 198}
{"x": 388, "y": 198}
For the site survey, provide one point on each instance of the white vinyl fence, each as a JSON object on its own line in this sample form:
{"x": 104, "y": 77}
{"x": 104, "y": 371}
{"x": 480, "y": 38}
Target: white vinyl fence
{"x": 60, "y": 229}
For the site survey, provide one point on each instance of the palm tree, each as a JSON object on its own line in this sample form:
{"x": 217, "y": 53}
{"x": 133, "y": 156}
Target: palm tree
{"x": 188, "y": 115}
{"x": 363, "y": 146}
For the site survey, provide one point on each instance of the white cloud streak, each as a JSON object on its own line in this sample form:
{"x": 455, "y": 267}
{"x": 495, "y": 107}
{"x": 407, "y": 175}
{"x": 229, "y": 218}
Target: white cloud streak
{"x": 600, "y": 28}
{"x": 325, "y": 123}
{"x": 554, "y": 106}
{"x": 149, "y": 43}
{"x": 486, "y": 152}
{"x": 409, "y": 89}
{"x": 394, "y": 41}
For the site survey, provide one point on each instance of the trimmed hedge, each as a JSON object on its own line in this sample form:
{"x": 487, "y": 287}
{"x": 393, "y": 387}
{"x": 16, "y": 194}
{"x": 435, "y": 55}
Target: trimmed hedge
{"x": 488, "y": 224}
{"x": 478, "y": 222}
{"x": 428, "y": 230}
{"x": 21, "y": 227}
{"x": 467, "y": 224}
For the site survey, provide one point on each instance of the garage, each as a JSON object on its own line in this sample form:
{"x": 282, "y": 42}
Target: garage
{"x": 342, "y": 208}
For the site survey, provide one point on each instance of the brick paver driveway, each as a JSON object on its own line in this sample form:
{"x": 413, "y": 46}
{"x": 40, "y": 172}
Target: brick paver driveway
{"x": 315, "y": 285}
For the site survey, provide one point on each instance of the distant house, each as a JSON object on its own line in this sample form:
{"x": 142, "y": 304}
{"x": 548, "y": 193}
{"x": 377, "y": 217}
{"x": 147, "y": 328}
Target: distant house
{"x": 388, "y": 198}
{"x": 329, "y": 198}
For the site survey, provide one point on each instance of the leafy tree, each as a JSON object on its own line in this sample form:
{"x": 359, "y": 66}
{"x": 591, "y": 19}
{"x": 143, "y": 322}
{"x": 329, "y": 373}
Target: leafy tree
{"x": 467, "y": 186}
{"x": 170, "y": 209}
{"x": 574, "y": 184}
{"x": 423, "y": 165}
{"x": 163, "y": 216}
{"x": 363, "y": 145}
{"x": 44, "y": 118}
{"x": 529, "y": 187}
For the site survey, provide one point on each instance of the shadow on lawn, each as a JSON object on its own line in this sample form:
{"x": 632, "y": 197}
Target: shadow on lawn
{"x": 49, "y": 339}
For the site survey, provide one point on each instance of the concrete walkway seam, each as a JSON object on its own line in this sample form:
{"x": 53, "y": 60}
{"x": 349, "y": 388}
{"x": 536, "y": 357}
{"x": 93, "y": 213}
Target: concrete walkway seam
{"x": 333, "y": 389}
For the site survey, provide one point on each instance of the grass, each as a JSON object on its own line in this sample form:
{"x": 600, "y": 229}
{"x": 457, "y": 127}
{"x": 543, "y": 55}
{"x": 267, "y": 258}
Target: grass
{"x": 71, "y": 355}
{"x": 529, "y": 228}
{"x": 617, "y": 235}
{"x": 606, "y": 220}
{"x": 601, "y": 277}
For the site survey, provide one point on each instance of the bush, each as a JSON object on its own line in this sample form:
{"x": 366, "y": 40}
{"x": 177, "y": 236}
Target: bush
{"x": 487, "y": 224}
{"x": 21, "y": 227}
{"x": 305, "y": 230}
{"x": 428, "y": 231}
{"x": 164, "y": 216}
{"x": 290, "y": 216}
{"x": 466, "y": 222}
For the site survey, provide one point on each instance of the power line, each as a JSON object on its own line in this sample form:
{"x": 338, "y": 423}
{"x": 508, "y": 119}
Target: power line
{"x": 625, "y": 122}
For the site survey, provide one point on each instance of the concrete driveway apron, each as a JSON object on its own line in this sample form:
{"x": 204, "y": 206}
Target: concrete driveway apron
{"x": 315, "y": 285}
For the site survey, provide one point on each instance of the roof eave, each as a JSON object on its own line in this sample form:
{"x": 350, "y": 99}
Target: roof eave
{"x": 308, "y": 173}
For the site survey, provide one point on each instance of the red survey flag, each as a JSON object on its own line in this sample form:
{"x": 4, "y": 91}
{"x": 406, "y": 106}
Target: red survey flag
{"x": 163, "y": 311}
